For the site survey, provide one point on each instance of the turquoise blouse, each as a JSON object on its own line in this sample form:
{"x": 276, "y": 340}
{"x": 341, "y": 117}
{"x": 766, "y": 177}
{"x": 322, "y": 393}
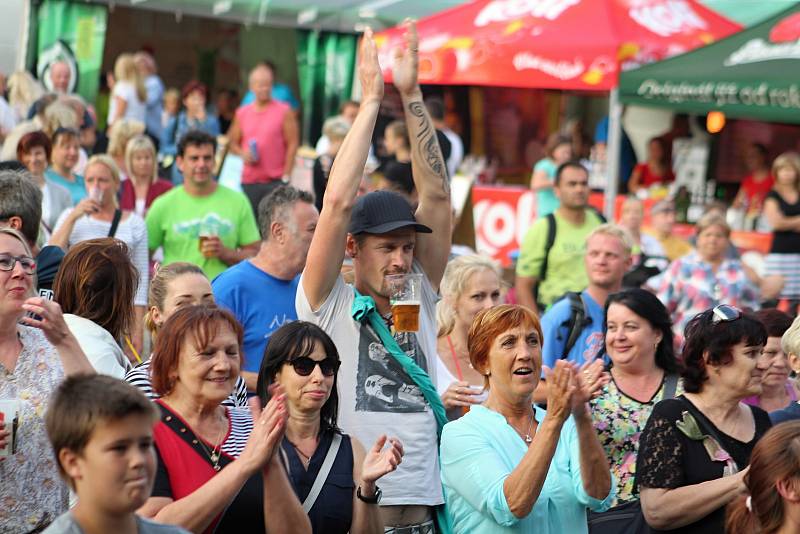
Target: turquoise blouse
{"x": 546, "y": 200}
{"x": 478, "y": 452}
{"x": 76, "y": 189}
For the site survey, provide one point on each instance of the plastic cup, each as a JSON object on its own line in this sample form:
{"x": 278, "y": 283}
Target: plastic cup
{"x": 405, "y": 296}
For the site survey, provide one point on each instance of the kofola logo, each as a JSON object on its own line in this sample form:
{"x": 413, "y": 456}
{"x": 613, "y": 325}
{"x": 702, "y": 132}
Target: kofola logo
{"x": 784, "y": 43}
{"x": 666, "y": 17}
{"x": 506, "y": 10}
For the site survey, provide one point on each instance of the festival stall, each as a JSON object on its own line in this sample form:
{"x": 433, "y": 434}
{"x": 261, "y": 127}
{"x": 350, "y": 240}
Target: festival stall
{"x": 573, "y": 45}
{"x": 750, "y": 75}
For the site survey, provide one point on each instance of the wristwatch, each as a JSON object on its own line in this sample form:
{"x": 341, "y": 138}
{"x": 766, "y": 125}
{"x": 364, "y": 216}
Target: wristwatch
{"x": 374, "y": 499}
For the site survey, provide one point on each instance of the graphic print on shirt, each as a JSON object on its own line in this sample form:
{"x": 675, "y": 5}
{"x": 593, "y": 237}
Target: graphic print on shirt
{"x": 210, "y": 224}
{"x": 278, "y": 320}
{"x": 381, "y": 384}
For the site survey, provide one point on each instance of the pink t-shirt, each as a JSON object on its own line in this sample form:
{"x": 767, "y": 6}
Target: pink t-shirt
{"x": 266, "y": 128}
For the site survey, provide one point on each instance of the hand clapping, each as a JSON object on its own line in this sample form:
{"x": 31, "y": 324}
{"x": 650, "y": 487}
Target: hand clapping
{"x": 379, "y": 461}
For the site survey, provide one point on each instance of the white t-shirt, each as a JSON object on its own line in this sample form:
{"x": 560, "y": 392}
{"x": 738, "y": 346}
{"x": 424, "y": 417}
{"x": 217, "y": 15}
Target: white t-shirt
{"x": 377, "y": 397}
{"x": 136, "y": 109}
{"x": 99, "y": 346}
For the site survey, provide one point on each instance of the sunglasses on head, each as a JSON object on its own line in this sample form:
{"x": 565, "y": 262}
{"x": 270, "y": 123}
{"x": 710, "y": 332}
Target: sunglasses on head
{"x": 725, "y": 313}
{"x": 305, "y": 366}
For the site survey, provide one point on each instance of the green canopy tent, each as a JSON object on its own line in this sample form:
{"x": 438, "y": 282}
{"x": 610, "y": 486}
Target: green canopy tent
{"x": 752, "y": 74}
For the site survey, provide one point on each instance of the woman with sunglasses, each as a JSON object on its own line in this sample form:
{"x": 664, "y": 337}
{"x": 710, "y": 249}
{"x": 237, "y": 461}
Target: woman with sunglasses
{"x": 707, "y": 277}
{"x": 303, "y": 360}
{"x": 217, "y": 465}
{"x": 695, "y": 449}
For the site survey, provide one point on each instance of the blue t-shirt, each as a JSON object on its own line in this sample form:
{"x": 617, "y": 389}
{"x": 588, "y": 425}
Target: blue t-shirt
{"x": 790, "y": 413}
{"x": 555, "y": 332}
{"x": 261, "y": 303}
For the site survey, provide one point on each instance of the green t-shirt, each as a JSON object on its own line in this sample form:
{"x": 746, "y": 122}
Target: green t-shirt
{"x": 566, "y": 270}
{"x": 176, "y": 218}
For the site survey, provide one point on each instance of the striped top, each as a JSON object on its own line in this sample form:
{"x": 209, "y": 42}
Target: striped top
{"x": 139, "y": 377}
{"x": 131, "y": 230}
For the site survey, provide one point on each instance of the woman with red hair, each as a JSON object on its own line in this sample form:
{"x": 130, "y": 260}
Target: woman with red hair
{"x": 217, "y": 465}
{"x": 508, "y": 463}
{"x": 33, "y": 151}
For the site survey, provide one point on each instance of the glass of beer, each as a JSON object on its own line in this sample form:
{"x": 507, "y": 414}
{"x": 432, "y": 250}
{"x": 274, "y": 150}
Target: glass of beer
{"x": 206, "y": 230}
{"x": 405, "y": 295}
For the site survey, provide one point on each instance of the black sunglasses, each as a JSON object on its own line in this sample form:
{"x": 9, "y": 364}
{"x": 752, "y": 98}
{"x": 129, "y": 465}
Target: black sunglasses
{"x": 305, "y": 366}
{"x": 725, "y": 313}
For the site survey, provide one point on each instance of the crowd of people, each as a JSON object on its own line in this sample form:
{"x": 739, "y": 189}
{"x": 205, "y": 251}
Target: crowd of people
{"x": 178, "y": 356}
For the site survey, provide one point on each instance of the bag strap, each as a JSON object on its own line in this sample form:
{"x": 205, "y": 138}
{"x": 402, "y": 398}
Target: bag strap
{"x": 324, "y": 471}
{"x": 363, "y": 310}
{"x": 704, "y": 424}
{"x": 576, "y": 322}
{"x": 548, "y": 244}
{"x": 115, "y": 222}
{"x": 670, "y": 386}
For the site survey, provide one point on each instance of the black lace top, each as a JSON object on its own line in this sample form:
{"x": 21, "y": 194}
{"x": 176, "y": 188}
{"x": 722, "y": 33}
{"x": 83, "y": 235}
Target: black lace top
{"x": 669, "y": 459}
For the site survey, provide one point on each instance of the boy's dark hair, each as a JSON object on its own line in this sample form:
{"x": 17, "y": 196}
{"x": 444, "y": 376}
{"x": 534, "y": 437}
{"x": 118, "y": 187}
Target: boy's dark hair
{"x": 85, "y": 401}
{"x": 196, "y": 138}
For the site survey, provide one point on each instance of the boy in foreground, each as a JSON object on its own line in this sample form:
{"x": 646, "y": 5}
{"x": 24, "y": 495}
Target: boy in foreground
{"x": 101, "y": 430}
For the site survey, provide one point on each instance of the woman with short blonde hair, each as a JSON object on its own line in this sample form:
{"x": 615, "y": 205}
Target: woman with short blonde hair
{"x": 471, "y": 283}
{"x": 143, "y": 185}
{"x": 98, "y": 215}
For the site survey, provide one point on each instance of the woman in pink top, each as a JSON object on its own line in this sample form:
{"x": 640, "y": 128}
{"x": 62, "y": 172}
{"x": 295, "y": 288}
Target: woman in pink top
{"x": 265, "y": 135}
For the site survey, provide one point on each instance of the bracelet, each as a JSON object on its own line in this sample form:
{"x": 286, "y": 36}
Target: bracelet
{"x": 374, "y": 499}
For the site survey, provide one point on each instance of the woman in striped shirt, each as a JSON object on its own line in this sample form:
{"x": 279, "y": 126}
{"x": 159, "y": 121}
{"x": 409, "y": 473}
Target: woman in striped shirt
{"x": 98, "y": 215}
{"x": 217, "y": 467}
{"x": 175, "y": 286}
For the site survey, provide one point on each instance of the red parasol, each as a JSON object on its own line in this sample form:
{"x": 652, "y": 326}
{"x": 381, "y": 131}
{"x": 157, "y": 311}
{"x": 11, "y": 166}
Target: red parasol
{"x": 554, "y": 44}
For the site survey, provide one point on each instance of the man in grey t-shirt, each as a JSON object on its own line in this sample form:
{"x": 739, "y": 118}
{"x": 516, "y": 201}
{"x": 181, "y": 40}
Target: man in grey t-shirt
{"x": 384, "y": 236}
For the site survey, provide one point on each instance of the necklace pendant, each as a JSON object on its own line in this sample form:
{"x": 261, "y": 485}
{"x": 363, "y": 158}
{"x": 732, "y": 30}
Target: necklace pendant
{"x": 217, "y": 467}
{"x": 528, "y": 438}
{"x": 215, "y": 458}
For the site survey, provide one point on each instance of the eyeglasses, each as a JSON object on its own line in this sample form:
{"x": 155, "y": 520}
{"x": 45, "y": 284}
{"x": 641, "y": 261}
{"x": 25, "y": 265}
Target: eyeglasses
{"x": 7, "y": 262}
{"x": 305, "y": 366}
{"x": 725, "y": 313}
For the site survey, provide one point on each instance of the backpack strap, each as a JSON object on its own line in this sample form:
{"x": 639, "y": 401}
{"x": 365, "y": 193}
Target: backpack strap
{"x": 548, "y": 244}
{"x": 576, "y": 321}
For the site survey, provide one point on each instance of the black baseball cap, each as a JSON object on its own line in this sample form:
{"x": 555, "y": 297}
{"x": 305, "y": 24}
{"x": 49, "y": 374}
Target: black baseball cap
{"x": 380, "y": 212}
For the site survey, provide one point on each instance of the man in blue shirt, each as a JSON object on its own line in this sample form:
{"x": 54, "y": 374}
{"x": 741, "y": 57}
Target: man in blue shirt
{"x": 607, "y": 259}
{"x": 261, "y": 291}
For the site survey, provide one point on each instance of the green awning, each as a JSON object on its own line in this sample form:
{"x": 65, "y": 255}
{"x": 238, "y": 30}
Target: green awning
{"x": 753, "y": 74}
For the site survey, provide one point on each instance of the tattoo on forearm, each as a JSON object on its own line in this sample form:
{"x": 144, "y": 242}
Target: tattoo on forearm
{"x": 428, "y": 143}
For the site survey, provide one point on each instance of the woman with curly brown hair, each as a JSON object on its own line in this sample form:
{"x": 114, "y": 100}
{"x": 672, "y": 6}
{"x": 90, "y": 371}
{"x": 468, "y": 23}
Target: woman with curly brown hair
{"x": 695, "y": 448}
